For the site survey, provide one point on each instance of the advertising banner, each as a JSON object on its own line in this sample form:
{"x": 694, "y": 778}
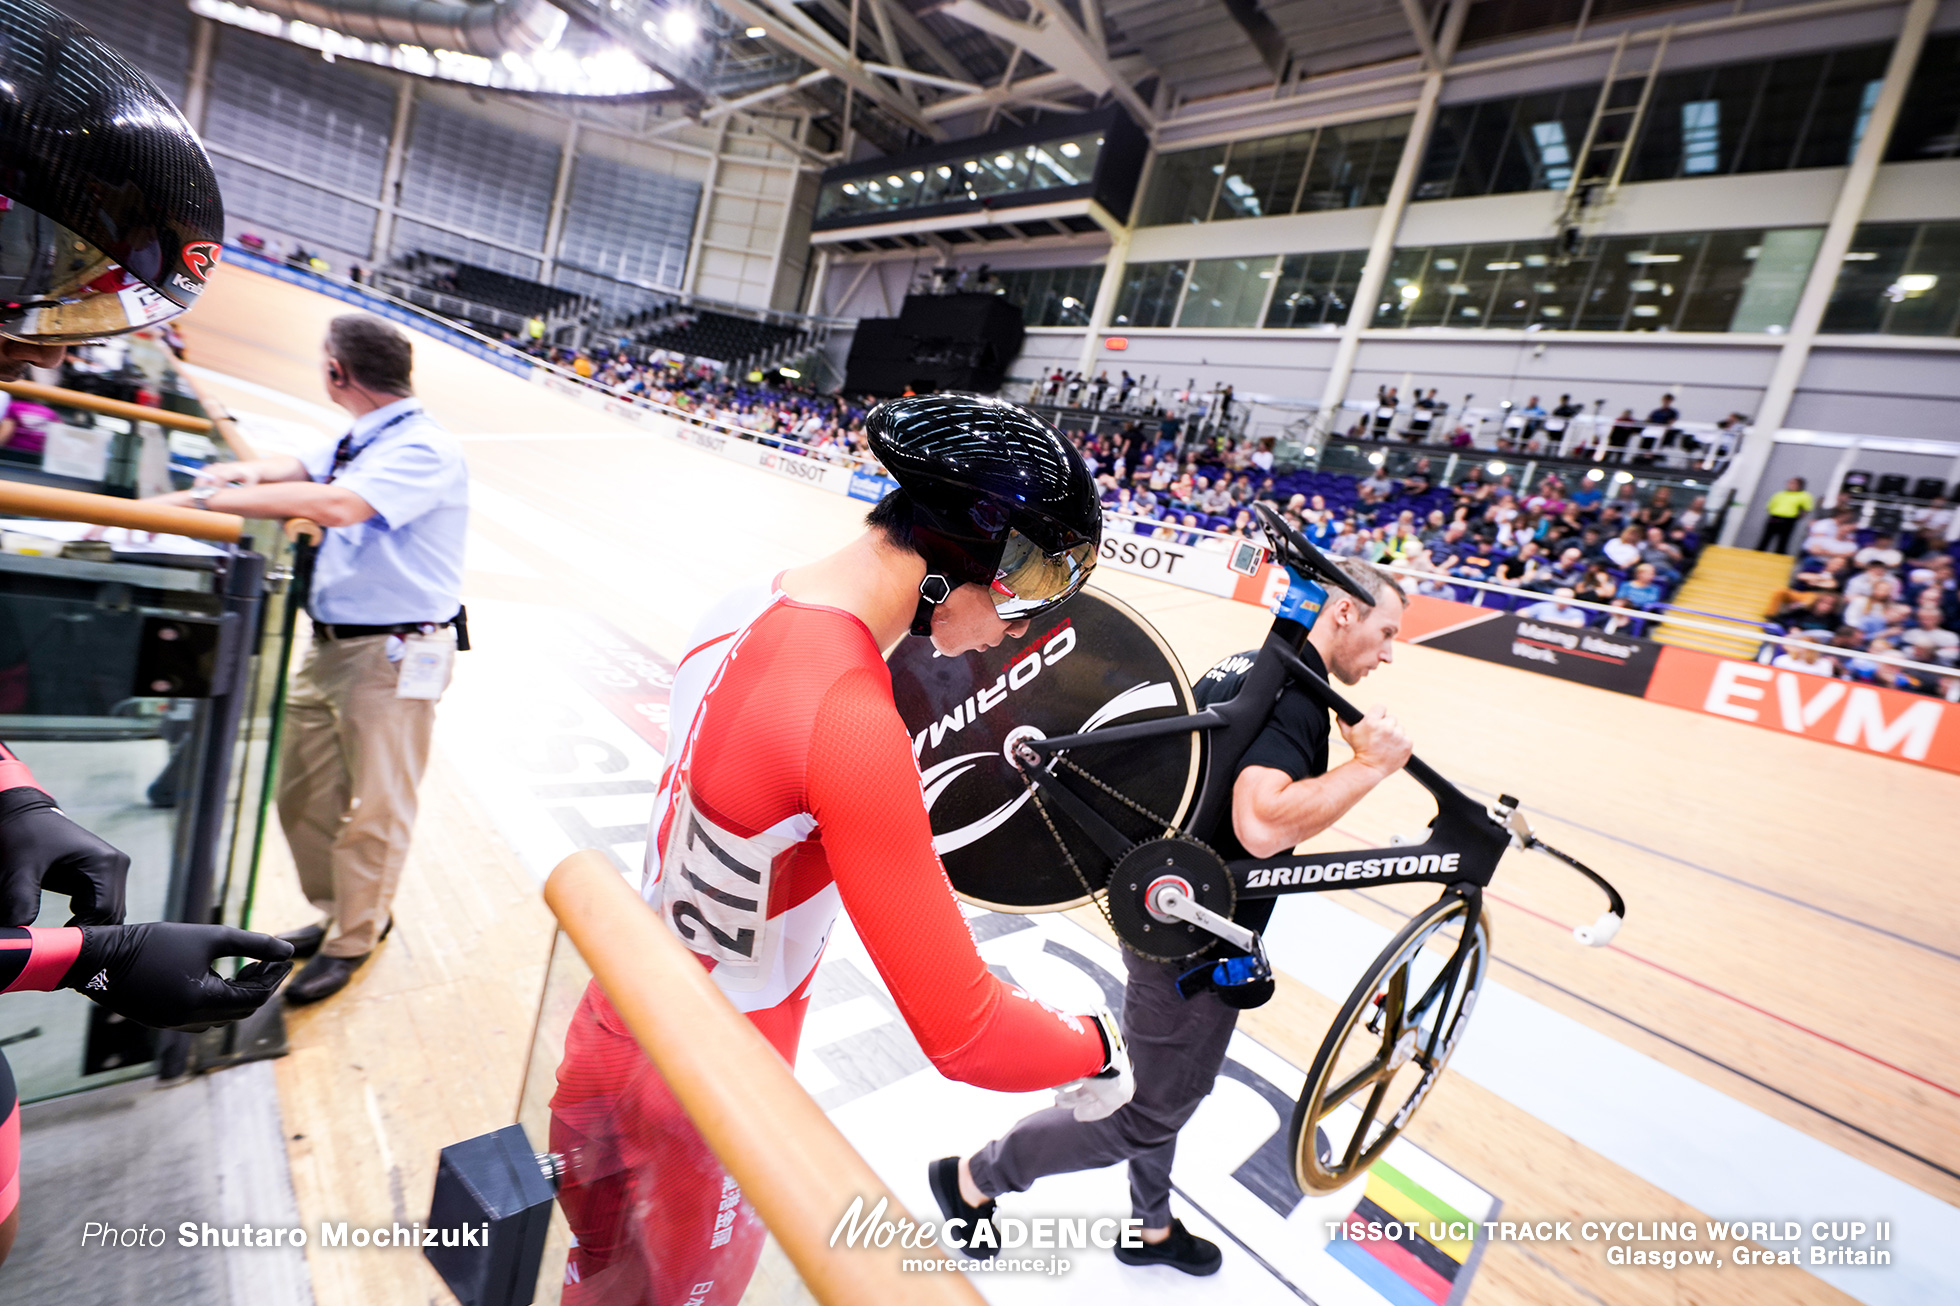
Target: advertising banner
{"x": 870, "y": 487}
{"x": 1620, "y": 663}
{"x": 1180, "y": 564}
{"x": 1888, "y": 722}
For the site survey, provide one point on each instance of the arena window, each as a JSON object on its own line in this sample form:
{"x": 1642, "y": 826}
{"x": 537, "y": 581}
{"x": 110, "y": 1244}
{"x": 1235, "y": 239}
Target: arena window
{"x": 1722, "y": 281}
{"x": 1052, "y": 296}
{"x": 1340, "y": 167}
{"x": 1899, "y": 278}
{"x": 1682, "y": 281}
{"x": 1150, "y": 294}
{"x": 1929, "y": 120}
{"x": 1766, "y": 115}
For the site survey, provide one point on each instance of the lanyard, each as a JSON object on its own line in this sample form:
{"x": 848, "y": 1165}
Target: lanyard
{"x": 346, "y": 451}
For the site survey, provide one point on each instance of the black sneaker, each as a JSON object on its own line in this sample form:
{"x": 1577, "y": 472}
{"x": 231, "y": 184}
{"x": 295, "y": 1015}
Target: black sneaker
{"x": 1183, "y": 1250}
{"x": 944, "y": 1175}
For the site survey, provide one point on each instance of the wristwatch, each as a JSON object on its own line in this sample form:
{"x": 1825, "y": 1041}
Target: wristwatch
{"x": 201, "y": 495}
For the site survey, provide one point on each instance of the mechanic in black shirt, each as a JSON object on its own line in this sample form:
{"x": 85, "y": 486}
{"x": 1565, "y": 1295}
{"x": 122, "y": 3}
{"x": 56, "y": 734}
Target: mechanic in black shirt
{"x": 1284, "y": 794}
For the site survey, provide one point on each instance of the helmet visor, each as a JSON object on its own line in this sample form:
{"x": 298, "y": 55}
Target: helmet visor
{"x": 1030, "y": 581}
{"x": 57, "y": 288}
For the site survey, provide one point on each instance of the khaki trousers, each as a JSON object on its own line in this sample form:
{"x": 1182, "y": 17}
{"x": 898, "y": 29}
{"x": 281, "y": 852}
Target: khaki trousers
{"x": 352, "y": 759}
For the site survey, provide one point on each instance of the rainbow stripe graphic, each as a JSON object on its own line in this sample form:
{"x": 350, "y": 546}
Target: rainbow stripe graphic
{"x": 1412, "y": 1270}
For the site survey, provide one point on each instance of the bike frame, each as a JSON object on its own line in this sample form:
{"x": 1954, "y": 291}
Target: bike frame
{"x": 1461, "y": 853}
{"x": 1464, "y": 843}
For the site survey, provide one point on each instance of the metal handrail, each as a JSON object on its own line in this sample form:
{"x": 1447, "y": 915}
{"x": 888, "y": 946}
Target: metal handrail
{"x": 105, "y": 510}
{"x": 794, "y": 1166}
{"x": 54, "y": 394}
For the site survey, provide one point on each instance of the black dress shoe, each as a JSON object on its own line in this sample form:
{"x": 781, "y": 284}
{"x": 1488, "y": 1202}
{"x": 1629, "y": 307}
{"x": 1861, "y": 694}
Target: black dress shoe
{"x": 1183, "y": 1250}
{"x": 322, "y": 978}
{"x": 944, "y": 1176}
{"x": 305, "y": 941}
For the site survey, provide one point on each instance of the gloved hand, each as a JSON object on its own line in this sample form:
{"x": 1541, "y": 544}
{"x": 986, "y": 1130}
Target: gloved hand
{"x": 41, "y": 849}
{"x": 159, "y": 973}
{"x": 1103, "y": 1093}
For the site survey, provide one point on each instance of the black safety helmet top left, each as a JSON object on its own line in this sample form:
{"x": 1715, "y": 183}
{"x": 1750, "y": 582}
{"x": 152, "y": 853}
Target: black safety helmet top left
{"x": 109, "y": 212}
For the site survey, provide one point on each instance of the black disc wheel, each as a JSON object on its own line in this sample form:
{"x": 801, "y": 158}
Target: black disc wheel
{"x": 1388, "y": 1046}
{"x": 1091, "y": 663}
{"x": 1185, "y": 864}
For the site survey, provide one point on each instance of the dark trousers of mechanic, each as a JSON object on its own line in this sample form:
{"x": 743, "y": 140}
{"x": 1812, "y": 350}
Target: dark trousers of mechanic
{"x": 1176, "y": 1046}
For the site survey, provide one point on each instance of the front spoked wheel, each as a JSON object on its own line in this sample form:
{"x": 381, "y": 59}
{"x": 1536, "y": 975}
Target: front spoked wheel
{"x": 1388, "y": 1045}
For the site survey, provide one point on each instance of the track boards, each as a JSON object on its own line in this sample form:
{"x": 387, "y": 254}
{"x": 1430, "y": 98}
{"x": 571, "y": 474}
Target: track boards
{"x": 1092, "y": 662}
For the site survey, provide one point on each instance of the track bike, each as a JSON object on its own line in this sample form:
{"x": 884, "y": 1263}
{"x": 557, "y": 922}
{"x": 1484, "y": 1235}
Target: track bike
{"x": 1086, "y": 742}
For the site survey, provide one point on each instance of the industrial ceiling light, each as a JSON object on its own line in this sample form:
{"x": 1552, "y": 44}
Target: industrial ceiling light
{"x": 680, "y": 26}
{"x": 756, "y": 33}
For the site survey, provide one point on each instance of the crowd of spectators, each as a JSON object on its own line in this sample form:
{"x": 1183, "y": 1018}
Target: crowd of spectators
{"x": 1564, "y": 543}
{"x": 1573, "y": 545}
{"x": 826, "y": 427}
{"x": 1863, "y": 595}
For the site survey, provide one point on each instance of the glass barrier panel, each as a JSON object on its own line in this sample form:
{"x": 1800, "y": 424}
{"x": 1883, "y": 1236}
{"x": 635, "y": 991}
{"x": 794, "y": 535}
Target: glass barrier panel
{"x": 77, "y": 639}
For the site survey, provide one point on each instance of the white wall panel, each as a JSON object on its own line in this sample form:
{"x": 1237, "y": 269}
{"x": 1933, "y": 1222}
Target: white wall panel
{"x": 480, "y": 176}
{"x": 282, "y": 105}
{"x": 266, "y": 203}
{"x": 628, "y": 223}
{"x": 154, "y": 37}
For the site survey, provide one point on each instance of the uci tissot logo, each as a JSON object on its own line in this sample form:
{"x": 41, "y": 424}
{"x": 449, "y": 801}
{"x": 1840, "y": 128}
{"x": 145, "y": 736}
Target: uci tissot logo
{"x": 200, "y": 256}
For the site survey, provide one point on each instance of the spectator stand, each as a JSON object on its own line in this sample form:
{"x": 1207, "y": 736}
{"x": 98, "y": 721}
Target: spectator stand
{"x": 1522, "y": 475}
{"x": 699, "y": 395}
{"x": 1872, "y": 593}
{"x": 493, "y": 302}
{"x": 1774, "y": 644}
{"x": 1588, "y": 437}
{"x": 735, "y": 338}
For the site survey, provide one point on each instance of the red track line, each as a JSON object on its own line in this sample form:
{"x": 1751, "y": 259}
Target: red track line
{"x": 1701, "y": 984}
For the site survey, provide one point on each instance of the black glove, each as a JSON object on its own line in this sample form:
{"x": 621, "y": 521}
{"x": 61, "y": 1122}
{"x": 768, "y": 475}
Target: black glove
{"x": 159, "y": 973}
{"x": 42, "y": 849}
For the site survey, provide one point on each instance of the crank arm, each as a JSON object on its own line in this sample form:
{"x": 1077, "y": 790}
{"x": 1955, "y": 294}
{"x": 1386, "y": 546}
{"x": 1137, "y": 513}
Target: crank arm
{"x": 1168, "y": 902}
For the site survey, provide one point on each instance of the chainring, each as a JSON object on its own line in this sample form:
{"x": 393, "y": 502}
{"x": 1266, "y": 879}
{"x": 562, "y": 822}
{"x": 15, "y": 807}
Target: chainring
{"x": 1206, "y": 881}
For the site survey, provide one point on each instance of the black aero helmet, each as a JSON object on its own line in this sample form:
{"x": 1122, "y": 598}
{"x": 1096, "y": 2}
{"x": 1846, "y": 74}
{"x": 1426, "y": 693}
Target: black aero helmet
{"x": 109, "y": 211}
{"x": 999, "y": 498}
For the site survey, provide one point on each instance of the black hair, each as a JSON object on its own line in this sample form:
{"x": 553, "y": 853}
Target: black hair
{"x": 894, "y": 517}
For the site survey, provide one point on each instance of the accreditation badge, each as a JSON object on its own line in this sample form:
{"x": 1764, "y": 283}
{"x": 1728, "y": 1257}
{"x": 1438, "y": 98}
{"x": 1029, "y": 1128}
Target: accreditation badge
{"x": 423, "y": 671}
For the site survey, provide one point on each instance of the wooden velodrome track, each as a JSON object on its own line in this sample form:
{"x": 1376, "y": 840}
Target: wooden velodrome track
{"x": 1793, "y": 939}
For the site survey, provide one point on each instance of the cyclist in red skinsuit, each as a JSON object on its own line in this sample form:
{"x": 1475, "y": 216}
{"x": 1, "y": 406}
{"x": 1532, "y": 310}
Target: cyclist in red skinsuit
{"x": 790, "y": 790}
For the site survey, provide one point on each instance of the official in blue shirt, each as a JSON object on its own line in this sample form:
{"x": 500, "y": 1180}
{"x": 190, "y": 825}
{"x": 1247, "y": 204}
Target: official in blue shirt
{"x": 386, "y": 604}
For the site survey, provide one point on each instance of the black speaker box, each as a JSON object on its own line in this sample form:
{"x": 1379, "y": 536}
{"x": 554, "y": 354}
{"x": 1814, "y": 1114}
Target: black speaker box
{"x": 937, "y": 342}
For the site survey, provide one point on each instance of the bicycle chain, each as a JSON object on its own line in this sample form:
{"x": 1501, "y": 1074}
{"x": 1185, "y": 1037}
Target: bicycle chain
{"x": 1125, "y": 799}
{"x": 1041, "y": 808}
{"x": 1102, "y": 903}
